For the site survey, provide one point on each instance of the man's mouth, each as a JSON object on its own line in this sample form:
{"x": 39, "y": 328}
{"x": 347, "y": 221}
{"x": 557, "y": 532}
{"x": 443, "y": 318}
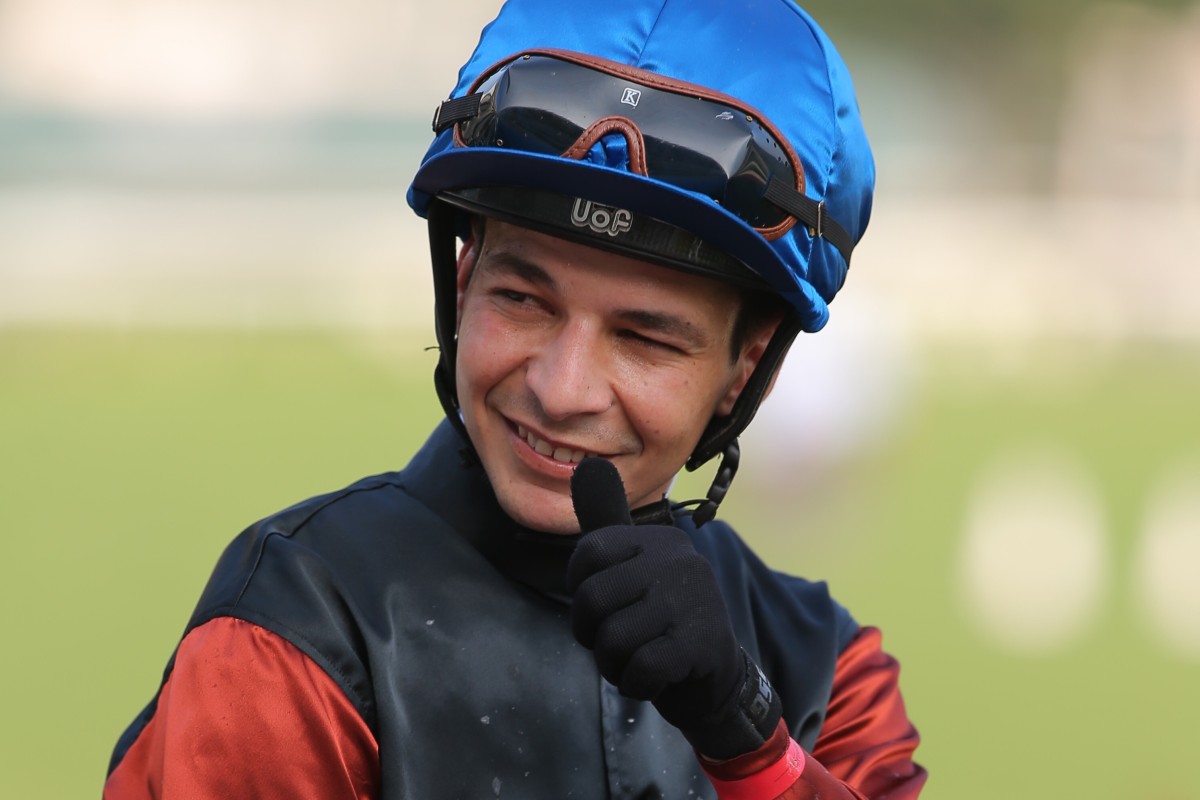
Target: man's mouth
{"x": 556, "y": 451}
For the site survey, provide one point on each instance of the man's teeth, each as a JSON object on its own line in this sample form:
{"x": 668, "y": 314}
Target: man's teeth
{"x": 563, "y": 454}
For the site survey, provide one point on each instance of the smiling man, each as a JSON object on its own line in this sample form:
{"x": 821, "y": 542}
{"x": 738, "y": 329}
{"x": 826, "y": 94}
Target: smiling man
{"x": 565, "y": 351}
{"x": 633, "y": 210}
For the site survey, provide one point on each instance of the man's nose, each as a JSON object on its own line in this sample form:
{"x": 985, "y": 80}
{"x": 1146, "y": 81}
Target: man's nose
{"x": 569, "y": 373}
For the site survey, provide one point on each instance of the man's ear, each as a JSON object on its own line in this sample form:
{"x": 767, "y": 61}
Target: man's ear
{"x": 752, "y": 352}
{"x": 468, "y": 256}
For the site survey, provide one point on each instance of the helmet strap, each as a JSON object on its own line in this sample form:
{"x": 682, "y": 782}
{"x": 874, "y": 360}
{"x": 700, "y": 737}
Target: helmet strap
{"x": 443, "y": 221}
{"x": 721, "y": 431}
{"x": 720, "y": 485}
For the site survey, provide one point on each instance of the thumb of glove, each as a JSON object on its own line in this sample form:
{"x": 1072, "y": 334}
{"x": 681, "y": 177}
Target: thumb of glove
{"x": 670, "y": 641}
{"x": 598, "y": 495}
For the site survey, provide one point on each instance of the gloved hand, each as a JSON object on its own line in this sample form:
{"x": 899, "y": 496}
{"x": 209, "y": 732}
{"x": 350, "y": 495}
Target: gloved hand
{"x": 648, "y": 606}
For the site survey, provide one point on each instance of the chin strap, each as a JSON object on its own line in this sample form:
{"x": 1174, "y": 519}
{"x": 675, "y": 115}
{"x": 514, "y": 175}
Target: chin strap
{"x": 723, "y": 430}
{"x": 707, "y": 509}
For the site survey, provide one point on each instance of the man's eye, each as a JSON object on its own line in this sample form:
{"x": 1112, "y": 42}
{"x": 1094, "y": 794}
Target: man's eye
{"x": 512, "y": 295}
{"x": 646, "y": 341}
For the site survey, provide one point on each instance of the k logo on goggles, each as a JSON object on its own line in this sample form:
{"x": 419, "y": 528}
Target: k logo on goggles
{"x": 559, "y": 103}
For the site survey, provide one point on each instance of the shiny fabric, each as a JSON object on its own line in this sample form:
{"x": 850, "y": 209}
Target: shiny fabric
{"x": 246, "y": 714}
{"x": 769, "y": 771}
{"x": 437, "y": 656}
{"x": 866, "y": 747}
{"x": 767, "y": 53}
{"x": 868, "y": 740}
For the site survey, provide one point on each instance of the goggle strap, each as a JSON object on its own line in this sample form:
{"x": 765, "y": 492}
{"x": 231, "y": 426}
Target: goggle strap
{"x": 457, "y": 109}
{"x": 811, "y": 213}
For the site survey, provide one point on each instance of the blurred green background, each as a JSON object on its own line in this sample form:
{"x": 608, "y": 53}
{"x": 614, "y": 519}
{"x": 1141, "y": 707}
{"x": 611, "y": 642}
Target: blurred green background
{"x": 214, "y": 302}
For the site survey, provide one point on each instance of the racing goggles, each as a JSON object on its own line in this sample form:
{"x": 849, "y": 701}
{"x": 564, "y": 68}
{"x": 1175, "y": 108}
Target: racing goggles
{"x": 558, "y": 103}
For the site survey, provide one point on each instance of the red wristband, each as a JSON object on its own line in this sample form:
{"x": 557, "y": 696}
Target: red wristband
{"x": 769, "y": 782}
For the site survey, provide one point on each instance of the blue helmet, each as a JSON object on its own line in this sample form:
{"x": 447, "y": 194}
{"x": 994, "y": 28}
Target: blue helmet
{"x": 716, "y": 137}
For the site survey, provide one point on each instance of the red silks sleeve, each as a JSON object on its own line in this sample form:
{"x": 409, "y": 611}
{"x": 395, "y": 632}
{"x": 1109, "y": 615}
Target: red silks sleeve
{"x": 864, "y": 751}
{"x": 244, "y": 713}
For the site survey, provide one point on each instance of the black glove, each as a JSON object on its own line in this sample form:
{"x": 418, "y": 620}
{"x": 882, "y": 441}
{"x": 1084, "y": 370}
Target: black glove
{"x": 647, "y": 605}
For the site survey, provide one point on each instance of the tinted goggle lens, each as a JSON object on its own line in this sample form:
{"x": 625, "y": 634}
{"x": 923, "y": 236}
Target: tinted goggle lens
{"x": 544, "y": 105}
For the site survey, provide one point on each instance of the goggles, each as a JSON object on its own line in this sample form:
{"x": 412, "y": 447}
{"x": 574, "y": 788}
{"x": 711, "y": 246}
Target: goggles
{"x": 562, "y": 104}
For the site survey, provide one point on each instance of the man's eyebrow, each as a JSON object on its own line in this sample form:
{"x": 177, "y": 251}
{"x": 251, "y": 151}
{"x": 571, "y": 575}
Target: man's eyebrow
{"x": 501, "y": 262}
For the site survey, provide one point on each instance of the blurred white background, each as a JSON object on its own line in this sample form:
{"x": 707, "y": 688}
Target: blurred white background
{"x": 186, "y": 162}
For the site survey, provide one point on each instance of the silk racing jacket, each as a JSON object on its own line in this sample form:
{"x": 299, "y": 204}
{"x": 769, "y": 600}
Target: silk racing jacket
{"x": 404, "y": 638}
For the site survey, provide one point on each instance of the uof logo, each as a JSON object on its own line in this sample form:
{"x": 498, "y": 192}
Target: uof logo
{"x": 600, "y": 218}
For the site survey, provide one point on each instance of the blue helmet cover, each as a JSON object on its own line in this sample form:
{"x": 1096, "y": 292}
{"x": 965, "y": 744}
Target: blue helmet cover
{"x": 769, "y": 54}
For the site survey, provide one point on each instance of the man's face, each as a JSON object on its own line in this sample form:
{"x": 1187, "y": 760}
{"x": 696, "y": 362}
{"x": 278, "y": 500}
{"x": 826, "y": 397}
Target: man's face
{"x": 565, "y": 350}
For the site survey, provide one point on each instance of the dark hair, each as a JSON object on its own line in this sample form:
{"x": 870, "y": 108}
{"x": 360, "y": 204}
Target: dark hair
{"x": 756, "y": 309}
